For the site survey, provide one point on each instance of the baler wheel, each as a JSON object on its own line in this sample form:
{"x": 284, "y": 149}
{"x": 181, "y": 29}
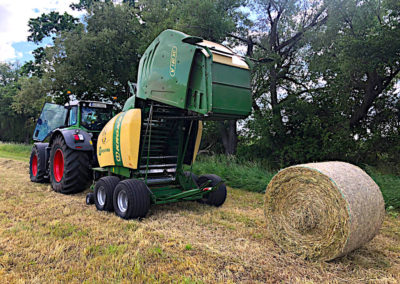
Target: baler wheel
{"x": 37, "y": 168}
{"x": 103, "y": 193}
{"x": 214, "y": 198}
{"x": 69, "y": 169}
{"x": 131, "y": 199}
{"x": 90, "y": 198}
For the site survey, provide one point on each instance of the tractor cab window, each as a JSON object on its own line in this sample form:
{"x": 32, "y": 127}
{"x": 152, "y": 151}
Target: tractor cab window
{"x": 73, "y": 116}
{"x": 95, "y": 118}
{"x": 52, "y": 117}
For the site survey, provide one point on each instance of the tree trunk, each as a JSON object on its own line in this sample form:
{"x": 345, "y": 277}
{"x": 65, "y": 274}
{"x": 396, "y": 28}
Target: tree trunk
{"x": 362, "y": 111}
{"x": 273, "y": 89}
{"x": 375, "y": 85}
{"x": 229, "y": 136}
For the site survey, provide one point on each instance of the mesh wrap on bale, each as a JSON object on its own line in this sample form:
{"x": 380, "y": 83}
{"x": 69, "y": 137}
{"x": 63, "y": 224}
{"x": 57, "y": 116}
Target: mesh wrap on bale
{"x": 322, "y": 211}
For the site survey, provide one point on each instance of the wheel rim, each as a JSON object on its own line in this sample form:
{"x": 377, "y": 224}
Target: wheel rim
{"x": 101, "y": 196}
{"x": 58, "y": 165}
{"x": 122, "y": 201}
{"x": 34, "y": 165}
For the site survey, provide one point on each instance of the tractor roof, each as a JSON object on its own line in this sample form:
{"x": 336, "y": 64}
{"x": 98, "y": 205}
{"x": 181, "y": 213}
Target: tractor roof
{"x": 76, "y": 102}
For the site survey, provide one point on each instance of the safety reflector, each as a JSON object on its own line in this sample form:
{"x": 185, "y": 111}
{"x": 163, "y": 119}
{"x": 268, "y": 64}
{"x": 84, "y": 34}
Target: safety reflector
{"x": 79, "y": 137}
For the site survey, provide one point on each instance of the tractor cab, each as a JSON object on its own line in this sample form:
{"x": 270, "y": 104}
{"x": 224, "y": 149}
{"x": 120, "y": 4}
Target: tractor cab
{"x": 86, "y": 115}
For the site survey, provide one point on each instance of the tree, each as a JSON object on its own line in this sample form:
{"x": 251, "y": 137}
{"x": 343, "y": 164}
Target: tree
{"x": 97, "y": 61}
{"x": 283, "y": 27}
{"x": 13, "y": 126}
{"x": 360, "y": 53}
{"x": 50, "y": 24}
{"x": 30, "y": 97}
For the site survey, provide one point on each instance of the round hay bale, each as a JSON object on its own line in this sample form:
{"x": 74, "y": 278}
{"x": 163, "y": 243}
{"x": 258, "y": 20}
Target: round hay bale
{"x": 322, "y": 211}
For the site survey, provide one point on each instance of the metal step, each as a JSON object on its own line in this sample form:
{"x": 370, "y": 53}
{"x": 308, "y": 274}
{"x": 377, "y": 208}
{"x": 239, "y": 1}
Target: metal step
{"x": 160, "y": 157}
{"x": 158, "y": 171}
{"x": 153, "y": 181}
{"x": 158, "y": 166}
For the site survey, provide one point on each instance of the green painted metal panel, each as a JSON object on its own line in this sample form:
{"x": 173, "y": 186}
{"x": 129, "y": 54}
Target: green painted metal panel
{"x": 164, "y": 69}
{"x": 176, "y": 71}
{"x": 231, "y": 90}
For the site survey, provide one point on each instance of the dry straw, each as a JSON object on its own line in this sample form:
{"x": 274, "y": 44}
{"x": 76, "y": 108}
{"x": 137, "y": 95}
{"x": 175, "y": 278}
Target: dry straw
{"x": 322, "y": 211}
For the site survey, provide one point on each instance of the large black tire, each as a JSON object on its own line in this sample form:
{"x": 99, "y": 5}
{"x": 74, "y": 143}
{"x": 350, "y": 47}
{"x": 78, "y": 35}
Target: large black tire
{"x": 103, "y": 193}
{"x": 131, "y": 199}
{"x": 37, "y": 164}
{"x": 69, "y": 169}
{"x": 214, "y": 198}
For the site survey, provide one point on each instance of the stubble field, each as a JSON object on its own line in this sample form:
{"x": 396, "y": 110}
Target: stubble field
{"x": 47, "y": 237}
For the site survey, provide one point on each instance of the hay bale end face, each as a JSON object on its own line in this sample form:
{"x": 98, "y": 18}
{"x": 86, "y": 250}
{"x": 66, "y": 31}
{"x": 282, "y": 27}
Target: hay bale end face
{"x": 322, "y": 211}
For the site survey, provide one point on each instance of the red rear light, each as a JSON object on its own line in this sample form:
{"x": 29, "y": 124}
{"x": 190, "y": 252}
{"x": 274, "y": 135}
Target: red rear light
{"x": 78, "y": 137}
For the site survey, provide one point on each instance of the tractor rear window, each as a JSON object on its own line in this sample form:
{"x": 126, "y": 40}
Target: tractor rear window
{"x": 95, "y": 118}
{"x": 52, "y": 117}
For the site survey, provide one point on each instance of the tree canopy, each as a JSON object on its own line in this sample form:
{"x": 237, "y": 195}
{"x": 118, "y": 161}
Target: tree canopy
{"x": 325, "y": 79}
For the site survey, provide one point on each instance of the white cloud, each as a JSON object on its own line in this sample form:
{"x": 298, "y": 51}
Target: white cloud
{"x": 14, "y": 17}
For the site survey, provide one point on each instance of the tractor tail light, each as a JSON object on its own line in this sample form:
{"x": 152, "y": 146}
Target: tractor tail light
{"x": 207, "y": 188}
{"x": 78, "y": 137}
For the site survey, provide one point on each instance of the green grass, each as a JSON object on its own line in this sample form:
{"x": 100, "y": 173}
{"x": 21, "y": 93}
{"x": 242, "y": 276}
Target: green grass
{"x": 21, "y": 152}
{"x": 246, "y": 175}
{"x": 389, "y": 185}
{"x": 253, "y": 177}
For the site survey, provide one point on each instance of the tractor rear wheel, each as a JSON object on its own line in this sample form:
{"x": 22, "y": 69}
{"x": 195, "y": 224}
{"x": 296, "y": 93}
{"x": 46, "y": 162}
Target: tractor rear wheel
{"x": 214, "y": 198}
{"x": 103, "y": 193}
{"x": 131, "y": 199}
{"x": 69, "y": 169}
{"x": 37, "y": 165}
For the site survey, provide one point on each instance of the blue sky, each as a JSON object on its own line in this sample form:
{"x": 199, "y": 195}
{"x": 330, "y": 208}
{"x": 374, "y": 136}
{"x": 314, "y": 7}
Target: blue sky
{"x": 14, "y": 17}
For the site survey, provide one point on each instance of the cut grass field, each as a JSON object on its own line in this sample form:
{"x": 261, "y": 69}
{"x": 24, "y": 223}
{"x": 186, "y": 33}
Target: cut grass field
{"x": 47, "y": 237}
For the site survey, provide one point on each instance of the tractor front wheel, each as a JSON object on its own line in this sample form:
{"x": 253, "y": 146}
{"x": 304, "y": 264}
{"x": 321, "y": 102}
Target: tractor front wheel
{"x": 216, "y": 197}
{"x": 131, "y": 199}
{"x": 69, "y": 169}
{"x": 37, "y": 165}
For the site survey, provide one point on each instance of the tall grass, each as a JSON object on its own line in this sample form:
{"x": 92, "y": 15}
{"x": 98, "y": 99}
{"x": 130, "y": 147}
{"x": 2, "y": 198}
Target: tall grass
{"x": 236, "y": 173}
{"x": 15, "y": 151}
{"x": 254, "y": 177}
{"x": 389, "y": 185}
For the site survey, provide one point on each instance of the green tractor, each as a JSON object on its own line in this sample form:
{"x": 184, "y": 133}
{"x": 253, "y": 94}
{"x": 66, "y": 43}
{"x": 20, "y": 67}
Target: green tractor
{"x": 182, "y": 81}
{"x": 71, "y": 132}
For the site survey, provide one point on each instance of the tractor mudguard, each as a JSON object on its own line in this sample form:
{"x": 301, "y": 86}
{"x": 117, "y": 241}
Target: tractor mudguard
{"x": 43, "y": 153}
{"x": 68, "y": 134}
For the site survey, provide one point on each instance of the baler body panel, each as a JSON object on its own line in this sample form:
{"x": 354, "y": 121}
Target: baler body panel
{"x": 192, "y": 74}
{"x": 231, "y": 86}
{"x": 119, "y": 140}
{"x": 164, "y": 69}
